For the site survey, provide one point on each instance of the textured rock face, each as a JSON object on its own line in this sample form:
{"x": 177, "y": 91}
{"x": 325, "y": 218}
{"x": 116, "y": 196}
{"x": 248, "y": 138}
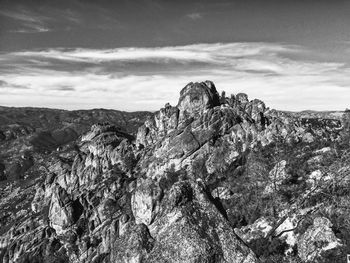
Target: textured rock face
{"x": 164, "y": 121}
{"x": 189, "y": 222}
{"x": 259, "y": 229}
{"x": 111, "y": 204}
{"x": 133, "y": 245}
{"x": 276, "y": 176}
{"x": 62, "y": 212}
{"x": 197, "y": 97}
{"x": 136, "y": 220}
{"x": 318, "y": 237}
{"x": 202, "y": 132}
{"x": 163, "y": 197}
{"x": 144, "y": 201}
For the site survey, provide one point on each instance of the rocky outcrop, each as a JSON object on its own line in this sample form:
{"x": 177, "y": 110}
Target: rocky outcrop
{"x": 318, "y": 238}
{"x": 15, "y": 131}
{"x": 201, "y": 130}
{"x": 259, "y": 229}
{"x": 145, "y": 201}
{"x": 195, "y": 98}
{"x": 189, "y": 222}
{"x": 165, "y": 196}
{"x": 108, "y": 204}
{"x": 136, "y": 220}
{"x": 276, "y": 177}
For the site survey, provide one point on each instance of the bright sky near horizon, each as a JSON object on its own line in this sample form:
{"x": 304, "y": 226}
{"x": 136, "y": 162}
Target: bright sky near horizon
{"x": 138, "y": 55}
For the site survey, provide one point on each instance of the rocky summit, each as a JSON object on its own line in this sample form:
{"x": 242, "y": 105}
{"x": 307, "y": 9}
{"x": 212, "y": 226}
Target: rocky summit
{"x": 215, "y": 178}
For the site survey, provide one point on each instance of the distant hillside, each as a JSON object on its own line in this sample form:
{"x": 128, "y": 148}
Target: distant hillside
{"x": 40, "y": 131}
{"x": 317, "y": 114}
{"x": 80, "y": 120}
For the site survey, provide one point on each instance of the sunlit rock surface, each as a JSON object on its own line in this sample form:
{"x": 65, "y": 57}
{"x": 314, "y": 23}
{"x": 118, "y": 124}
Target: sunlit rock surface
{"x": 317, "y": 238}
{"x": 167, "y": 194}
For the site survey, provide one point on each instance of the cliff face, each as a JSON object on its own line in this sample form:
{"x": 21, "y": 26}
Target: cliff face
{"x": 165, "y": 196}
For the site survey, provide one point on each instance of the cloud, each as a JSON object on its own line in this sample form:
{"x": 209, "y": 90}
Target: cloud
{"x": 210, "y": 53}
{"x": 3, "y": 83}
{"x": 23, "y": 16}
{"x": 64, "y": 88}
{"x": 33, "y": 29}
{"x": 194, "y": 16}
{"x": 22, "y": 19}
{"x": 146, "y": 78}
{"x": 6, "y": 85}
{"x": 30, "y": 22}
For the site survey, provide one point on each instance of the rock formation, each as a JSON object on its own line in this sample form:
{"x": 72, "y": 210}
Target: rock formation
{"x": 162, "y": 196}
{"x": 317, "y": 238}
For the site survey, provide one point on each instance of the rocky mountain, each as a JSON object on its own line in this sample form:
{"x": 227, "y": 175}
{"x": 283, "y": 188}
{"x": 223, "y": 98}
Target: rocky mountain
{"x": 31, "y": 137}
{"x": 33, "y": 131}
{"x": 212, "y": 179}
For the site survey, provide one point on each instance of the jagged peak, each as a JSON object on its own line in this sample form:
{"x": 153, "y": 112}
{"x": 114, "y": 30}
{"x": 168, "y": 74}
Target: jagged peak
{"x": 103, "y": 128}
{"x": 206, "y": 89}
{"x": 196, "y": 97}
{"x": 242, "y": 98}
{"x": 199, "y": 99}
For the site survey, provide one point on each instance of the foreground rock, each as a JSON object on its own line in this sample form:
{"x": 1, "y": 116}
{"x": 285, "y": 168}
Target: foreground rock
{"x": 318, "y": 238}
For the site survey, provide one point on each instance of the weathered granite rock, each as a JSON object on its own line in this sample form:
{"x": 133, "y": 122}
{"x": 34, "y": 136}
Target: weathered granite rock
{"x": 90, "y": 197}
{"x": 242, "y": 98}
{"x": 133, "y": 245}
{"x": 203, "y": 132}
{"x": 259, "y": 229}
{"x": 144, "y": 201}
{"x": 276, "y": 176}
{"x": 197, "y": 97}
{"x": 61, "y": 212}
{"x": 163, "y": 197}
{"x": 318, "y": 237}
{"x": 189, "y": 228}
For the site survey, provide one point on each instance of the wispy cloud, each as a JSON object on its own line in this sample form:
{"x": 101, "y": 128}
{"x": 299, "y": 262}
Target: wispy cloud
{"x": 146, "y": 78}
{"x": 45, "y": 19}
{"x": 63, "y": 88}
{"x": 194, "y": 16}
{"x": 10, "y": 86}
{"x": 217, "y": 53}
{"x": 30, "y": 22}
{"x": 32, "y": 29}
{"x": 23, "y": 15}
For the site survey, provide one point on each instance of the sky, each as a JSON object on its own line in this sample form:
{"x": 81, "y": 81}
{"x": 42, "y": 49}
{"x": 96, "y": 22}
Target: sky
{"x": 137, "y": 55}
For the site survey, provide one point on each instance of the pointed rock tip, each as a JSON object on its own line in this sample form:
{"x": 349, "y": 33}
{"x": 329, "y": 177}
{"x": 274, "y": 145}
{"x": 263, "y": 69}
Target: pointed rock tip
{"x": 198, "y": 95}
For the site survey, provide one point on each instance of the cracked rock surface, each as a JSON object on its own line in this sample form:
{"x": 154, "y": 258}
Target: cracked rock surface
{"x": 153, "y": 197}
